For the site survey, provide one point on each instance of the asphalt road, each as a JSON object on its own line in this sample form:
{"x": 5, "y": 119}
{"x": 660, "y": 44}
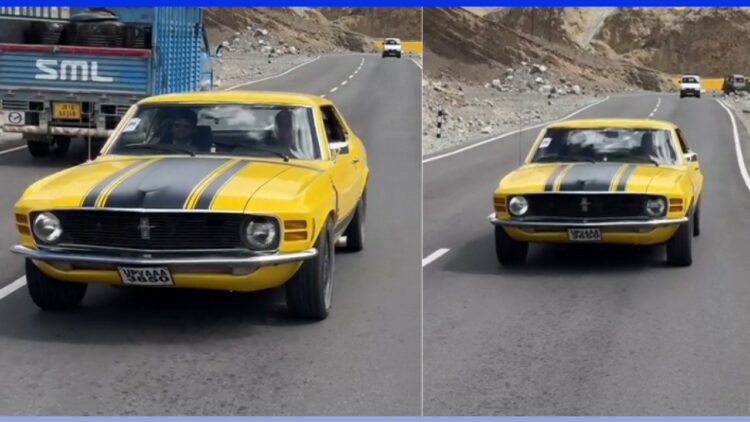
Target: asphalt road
{"x": 170, "y": 352}
{"x": 588, "y": 330}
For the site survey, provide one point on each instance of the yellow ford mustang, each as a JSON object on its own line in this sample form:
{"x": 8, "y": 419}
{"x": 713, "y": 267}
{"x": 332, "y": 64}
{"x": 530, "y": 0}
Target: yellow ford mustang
{"x": 236, "y": 191}
{"x": 610, "y": 181}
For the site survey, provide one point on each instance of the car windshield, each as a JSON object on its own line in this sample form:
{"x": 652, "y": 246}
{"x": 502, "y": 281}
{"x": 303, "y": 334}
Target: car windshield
{"x": 689, "y": 80}
{"x": 620, "y": 145}
{"x": 258, "y": 130}
{"x": 391, "y": 42}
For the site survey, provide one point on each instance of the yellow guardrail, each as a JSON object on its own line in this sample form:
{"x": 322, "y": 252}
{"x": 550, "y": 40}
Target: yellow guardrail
{"x": 406, "y": 46}
{"x": 709, "y": 84}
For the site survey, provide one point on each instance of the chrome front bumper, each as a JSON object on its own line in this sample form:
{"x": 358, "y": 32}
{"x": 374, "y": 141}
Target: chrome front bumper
{"x": 80, "y": 257}
{"x": 561, "y": 225}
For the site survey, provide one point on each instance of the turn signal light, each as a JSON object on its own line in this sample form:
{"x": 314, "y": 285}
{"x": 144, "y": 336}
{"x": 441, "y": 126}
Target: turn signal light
{"x": 675, "y": 204}
{"x": 295, "y": 236}
{"x": 295, "y": 225}
{"x": 499, "y": 202}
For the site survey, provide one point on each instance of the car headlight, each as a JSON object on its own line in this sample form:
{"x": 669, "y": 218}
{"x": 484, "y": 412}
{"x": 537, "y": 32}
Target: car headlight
{"x": 518, "y": 205}
{"x": 262, "y": 233}
{"x": 47, "y": 227}
{"x": 655, "y": 207}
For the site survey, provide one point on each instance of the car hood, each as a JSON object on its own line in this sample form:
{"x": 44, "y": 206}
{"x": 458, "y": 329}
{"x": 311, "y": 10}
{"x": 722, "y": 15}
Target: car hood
{"x": 171, "y": 183}
{"x": 588, "y": 177}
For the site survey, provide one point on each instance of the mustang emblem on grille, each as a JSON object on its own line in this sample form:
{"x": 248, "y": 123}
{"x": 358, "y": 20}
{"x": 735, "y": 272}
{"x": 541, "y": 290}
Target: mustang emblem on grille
{"x": 145, "y": 228}
{"x": 585, "y": 204}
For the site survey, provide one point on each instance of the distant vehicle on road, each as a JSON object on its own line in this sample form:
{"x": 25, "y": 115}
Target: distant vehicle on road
{"x": 690, "y": 85}
{"x": 734, "y": 83}
{"x": 392, "y": 47}
{"x": 602, "y": 181}
{"x": 74, "y": 72}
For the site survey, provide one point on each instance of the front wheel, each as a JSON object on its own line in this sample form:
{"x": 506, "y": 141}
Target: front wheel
{"x": 51, "y": 294}
{"x": 680, "y": 246}
{"x": 697, "y": 221}
{"x": 510, "y": 252}
{"x": 309, "y": 293}
{"x": 38, "y": 149}
{"x": 355, "y": 232}
{"x": 61, "y": 145}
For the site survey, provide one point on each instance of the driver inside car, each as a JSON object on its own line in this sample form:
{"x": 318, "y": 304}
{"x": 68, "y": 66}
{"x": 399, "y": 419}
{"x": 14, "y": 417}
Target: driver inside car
{"x": 283, "y": 140}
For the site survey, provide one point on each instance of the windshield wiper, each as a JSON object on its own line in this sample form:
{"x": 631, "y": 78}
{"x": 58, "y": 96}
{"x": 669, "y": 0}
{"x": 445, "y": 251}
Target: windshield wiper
{"x": 162, "y": 148}
{"x": 564, "y": 157}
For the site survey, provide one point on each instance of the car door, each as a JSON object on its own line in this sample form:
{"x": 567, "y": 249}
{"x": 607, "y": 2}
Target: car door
{"x": 691, "y": 160}
{"x": 344, "y": 174}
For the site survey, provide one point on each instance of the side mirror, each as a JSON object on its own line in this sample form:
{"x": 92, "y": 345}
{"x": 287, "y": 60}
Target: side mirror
{"x": 691, "y": 157}
{"x": 339, "y": 147}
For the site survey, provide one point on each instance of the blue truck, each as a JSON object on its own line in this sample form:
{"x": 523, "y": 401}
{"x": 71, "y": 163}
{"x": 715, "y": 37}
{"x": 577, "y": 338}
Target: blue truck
{"x": 72, "y": 73}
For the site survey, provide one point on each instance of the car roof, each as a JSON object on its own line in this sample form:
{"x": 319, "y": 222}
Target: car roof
{"x": 613, "y": 123}
{"x": 392, "y": 38}
{"x": 249, "y": 97}
{"x": 691, "y": 76}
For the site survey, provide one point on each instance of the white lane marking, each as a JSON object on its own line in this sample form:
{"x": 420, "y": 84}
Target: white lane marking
{"x": 274, "y": 76}
{"x": 323, "y": 95}
{"x": 737, "y": 147}
{"x": 12, "y": 287}
{"x": 334, "y": 89}
{"x": 434, "y": 256}
{"x": 351, "y": 76}
{"x": 658, "y": 103}
{"x": 505, "y": 135}
{"x": 12, "y": 149}
{"x": 416, "y": 62}
{"x": 344, "y": 83}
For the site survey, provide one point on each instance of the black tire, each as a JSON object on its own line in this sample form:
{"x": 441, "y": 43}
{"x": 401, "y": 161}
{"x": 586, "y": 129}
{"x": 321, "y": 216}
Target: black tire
{"x": 510, "y": 252}
{"x": 38, "y": 149}
{"x": 697, "y": 221}
{"x": 399, "y": 55}
{"x": 51, "y": 294}
{"x": 309, "y": 292}
{"x": 60, "y": 146}
{"x": 680, "y": 246}
{"x": 355, "y": 232}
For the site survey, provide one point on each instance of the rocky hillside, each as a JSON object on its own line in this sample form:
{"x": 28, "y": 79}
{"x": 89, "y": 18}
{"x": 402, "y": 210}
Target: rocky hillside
{"x": 315, "y": 30}
{"x": 711, "y": 41}
{"x": 463, "y": 45}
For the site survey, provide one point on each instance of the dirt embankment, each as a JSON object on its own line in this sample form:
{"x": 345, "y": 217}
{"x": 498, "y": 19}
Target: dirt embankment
{"x": 711, "y": 41}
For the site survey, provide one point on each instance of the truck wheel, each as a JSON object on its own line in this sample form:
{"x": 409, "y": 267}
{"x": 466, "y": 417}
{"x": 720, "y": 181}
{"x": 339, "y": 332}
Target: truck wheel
{"x": 679, "y": 247}
{"x": 60, "y": 145}
{"x": 355, "y": 232}
{"x": 51, "y": 294}
{"x": 510, "y": 252}
{"x": 309, "y": 292}
{"x": 38, "y": 149}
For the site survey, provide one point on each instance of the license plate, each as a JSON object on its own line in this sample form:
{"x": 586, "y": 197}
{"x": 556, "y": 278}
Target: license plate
{"x": 66, "y": 111}
{"x": 146, "y": 276}
{"x": 584, "y": 235}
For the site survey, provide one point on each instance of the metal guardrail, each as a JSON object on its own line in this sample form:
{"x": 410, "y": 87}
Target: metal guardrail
{"x": 36, "y": 13}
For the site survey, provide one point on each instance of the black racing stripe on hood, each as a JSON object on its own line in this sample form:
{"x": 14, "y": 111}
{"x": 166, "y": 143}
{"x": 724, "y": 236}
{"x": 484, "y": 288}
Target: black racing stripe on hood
{"x": 624, "y": 178}
{"x": 589, "y": 177}
{"x": 207, "y": 197}
{"x": 90, "y": 199}
{"x": 552, "y": 177}
{"x": 165, "y": 184}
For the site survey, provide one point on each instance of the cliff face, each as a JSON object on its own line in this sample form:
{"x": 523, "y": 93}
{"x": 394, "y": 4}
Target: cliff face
{"x": 710, "y": 41}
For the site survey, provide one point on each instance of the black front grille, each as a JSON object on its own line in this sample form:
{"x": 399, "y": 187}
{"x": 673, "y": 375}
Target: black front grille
{"x": 168, "y": 231}
{"x": 584, "y": 206}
